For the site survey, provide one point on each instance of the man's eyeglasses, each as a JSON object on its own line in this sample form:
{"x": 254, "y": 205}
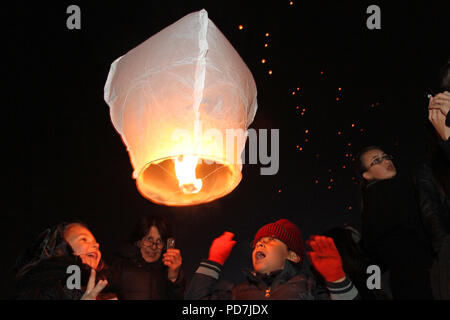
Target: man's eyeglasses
{"x": 148, "y": 242}
{"x": 381, "y": 159}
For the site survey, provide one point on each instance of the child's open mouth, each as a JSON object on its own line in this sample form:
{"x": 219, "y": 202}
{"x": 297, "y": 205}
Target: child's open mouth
{"x": 93, "y": 255}
{"x": 259, "y": 255}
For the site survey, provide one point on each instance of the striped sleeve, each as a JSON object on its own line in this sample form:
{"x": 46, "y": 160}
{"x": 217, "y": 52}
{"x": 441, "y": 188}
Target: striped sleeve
{"x": 344, "y": 290}
{"x": 209, "y": 268}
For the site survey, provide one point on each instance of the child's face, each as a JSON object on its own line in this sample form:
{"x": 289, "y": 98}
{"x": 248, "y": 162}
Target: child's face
{"x": 378, "y": 168}
{"x": 269, "y": 255}
{"x": 83, "y": 244}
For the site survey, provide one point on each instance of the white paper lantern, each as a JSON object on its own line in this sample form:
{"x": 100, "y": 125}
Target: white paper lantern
{"x": 173, "y": 99}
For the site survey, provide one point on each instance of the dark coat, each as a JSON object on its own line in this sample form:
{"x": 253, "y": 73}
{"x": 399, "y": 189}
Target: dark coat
{"x": 135, "y": 279}
{"x": 393, "y": 236}
{"x": 47, "y": 280}
{"x": 434, "y": 200}
{"x": 292, "y": 283}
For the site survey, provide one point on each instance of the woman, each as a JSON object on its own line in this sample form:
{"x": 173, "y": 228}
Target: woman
{"x": 392, "y": 234}
{"x": 433, "y": 188}
{"x": 145, "y": 269}
{"x": 42, "y": 270}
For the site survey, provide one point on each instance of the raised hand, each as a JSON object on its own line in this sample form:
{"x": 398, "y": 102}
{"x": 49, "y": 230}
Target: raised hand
{"x": 440, "y": 102}
{"x": 92, "y": 289}
{"x": 325, "y": 258}
{"x": 221, "y": 248}
{"x": 437, "y": 119}
{"x": 172, "y": 259}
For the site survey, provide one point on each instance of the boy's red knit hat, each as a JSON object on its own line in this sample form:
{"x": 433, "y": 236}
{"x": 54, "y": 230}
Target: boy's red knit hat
{"x": 285, "y": 231}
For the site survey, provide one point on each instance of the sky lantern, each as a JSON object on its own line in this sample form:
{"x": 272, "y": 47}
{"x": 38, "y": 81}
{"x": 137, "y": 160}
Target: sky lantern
{"x": 182, "y": 102}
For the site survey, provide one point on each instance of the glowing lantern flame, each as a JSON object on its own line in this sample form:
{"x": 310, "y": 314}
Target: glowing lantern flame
{"x": 185, "y": 171}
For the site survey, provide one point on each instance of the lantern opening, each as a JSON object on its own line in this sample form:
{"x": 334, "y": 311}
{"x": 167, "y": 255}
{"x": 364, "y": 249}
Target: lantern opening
{"x": 185, "y": 172}
{"x": 184, "y": 180}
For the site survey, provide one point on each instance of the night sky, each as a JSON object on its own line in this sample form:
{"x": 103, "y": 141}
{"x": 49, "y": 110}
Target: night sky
{"x": 328, "y": 83}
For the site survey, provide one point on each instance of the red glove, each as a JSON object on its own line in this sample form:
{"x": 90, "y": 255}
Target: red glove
{"x": 221, "y": 248}
{"x": 325, "y": 258}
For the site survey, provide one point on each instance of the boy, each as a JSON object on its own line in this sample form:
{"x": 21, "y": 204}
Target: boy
{"x": 277, "y": 256}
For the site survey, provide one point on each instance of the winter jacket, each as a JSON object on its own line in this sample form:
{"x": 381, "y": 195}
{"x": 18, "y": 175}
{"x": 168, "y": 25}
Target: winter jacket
{"x": 135, "y": 279}
{"x": 393, "y": 236}
{"x": 434, "y": 201}
{"x": 292, "y": 283}
{"x": 47, "y": 280}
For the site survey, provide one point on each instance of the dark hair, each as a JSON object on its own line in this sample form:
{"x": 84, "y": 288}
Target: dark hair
{"x": 143, "y": 225}
{"x": 49, "y": 243}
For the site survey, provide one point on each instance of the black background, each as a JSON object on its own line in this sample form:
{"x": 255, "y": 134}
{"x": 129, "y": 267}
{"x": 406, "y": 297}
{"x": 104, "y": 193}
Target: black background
{"x": 65, "y": 161}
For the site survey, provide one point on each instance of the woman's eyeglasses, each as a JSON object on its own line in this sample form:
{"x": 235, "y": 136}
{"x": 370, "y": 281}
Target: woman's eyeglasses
{"x": 381, "y": 159}
{"x": 148, "y": 242}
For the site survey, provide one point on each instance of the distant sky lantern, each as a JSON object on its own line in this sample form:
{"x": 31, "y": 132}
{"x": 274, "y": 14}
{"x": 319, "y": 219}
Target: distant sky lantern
{"x": 181, "y": 101}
